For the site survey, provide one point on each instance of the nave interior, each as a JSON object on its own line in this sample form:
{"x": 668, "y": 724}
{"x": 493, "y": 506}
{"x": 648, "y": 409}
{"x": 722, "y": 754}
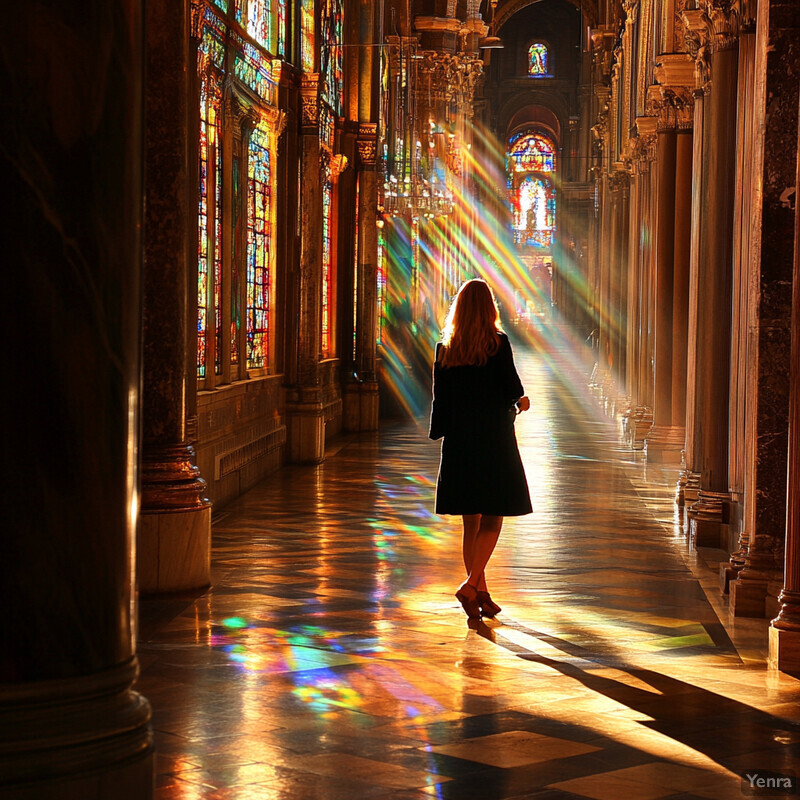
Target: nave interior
{"x": 231, "y": 233}
{"x": 331, "y": 660}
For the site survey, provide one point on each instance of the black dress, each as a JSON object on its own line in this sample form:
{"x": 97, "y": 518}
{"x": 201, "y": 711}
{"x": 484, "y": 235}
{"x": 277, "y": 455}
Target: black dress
{"x": 473, "y": 408}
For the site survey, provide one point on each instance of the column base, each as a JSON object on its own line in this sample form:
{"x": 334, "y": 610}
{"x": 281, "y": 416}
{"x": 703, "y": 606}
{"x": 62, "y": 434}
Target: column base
{"x": 664, "y": 444}
{"x": 691, "y": 487}
{"x": 173, "y": 538}
{"x": 784, "y": 649}
{"x": 708, "y": 522}
{"x": 173, "y": 550}
{"x": 361, "y": 404}
{"x": 748, "y": 598}
{"x": 77, "y": 738}
{"x": 640, "y": 424}
{"x": 305, "y": 424}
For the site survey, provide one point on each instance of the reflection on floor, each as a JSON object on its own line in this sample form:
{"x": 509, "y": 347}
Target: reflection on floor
{"x": 331, "y": 660}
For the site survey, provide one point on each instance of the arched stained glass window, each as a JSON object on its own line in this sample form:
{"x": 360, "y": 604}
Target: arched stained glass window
{"x": 533, "y": 205}
{"x": 531, "y": 151}
{"x": 538, "y": 59}
{"x": 259, "y": 247}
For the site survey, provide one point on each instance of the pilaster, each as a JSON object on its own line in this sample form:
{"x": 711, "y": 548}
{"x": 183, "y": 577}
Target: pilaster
{"x": 304, "y": 402}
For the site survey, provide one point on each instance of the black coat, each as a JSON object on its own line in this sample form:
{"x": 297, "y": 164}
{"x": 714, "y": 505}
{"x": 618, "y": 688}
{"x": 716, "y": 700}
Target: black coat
{"x": 473, "y": 409}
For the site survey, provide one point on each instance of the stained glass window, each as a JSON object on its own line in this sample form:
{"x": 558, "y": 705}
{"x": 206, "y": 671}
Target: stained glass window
{"x": 259, "y": 21}
{"x": 259, "y": 246}
{"x": 281, "y": 27}
{"x": 332, "y": 66}
{"x": 209, "y": 265}
{"x": 327, "y": 263}
{"x": 533, "y": 206}
{"x": 381, "y": 284}
{"x": 355, "y": 270}
{"x": 254, "y": 69}
{"x": 531, "y": 151}
{"x": 307, "y": 35}
{"x": 537, "y": 60}
{"x": 236, "y": 238}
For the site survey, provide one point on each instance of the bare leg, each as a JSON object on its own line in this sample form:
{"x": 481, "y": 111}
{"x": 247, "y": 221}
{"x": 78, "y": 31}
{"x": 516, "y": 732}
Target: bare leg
{"x": 482, "y": 549}
{"x": 472, "y": 524}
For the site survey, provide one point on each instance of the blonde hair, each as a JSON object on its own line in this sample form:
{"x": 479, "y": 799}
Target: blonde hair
{"x": 470, "y": 331}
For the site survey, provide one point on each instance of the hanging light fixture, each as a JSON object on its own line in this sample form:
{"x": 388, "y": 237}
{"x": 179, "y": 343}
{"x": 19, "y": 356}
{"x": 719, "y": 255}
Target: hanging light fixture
{"x": 491, "y": 42}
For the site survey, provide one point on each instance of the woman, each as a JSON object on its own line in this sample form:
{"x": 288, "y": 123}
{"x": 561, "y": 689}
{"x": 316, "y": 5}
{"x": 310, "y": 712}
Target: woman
{"x": 476, "y": 395}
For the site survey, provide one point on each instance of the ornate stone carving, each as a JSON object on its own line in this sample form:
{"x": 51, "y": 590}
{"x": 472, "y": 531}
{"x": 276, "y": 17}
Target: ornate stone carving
{"x": 619, "y": 180}
{"x": 673, "y": 107}
{"x": 309, "y": 101}
{"x": 367, "y": 143}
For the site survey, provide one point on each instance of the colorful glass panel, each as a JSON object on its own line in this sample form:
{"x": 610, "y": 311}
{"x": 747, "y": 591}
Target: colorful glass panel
{"x": 217, "y": 139}
{"x": 355, "y": 270}
{"x": 381, "y": 285}
{"x": 222, "y": 4}
{"x": 254, "y": 69}
{"x": 282, "y": 27}
{"x": 236, "y": 238}
{"x": 259, "y": 244}
{"x": 327, "y": 264}
{"x": 531, "y": 152}
{"x": 537, "y": 60}
{"x": 307, "y": 35}
{"x": 259, "y": 17}
{"x": 534, "y": 210}
{"x": 332, "y": 59}
{"x": 326, "y": 126}
{"x": 209, "y": 263}
{"x": 212, "y": 41}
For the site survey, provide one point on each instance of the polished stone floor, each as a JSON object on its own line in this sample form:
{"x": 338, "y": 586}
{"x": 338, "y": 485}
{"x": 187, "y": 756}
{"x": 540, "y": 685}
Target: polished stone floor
{"x": 330, "y": 659}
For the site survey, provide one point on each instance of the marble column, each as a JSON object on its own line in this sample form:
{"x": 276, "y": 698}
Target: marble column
{"x": 71, "y": 161}
{"x": 367, "y": 301}
{"x": 784, "y": 633}
{"x": 657, "y": 439}
{"x": 712, "y": 343}
{"x": 642, "y": 412}
{"x": 770, "y": 316}
{"x": 621, "y": 187}
{"x": 665, "y": 441}
{"x": 688, "y": 485}
{"x": 174, "y": 536}
{"x": 304, "y": 406}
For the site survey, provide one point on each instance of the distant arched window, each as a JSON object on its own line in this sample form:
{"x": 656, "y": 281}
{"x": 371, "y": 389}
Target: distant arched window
{"x": 531, "y": 151}
{"x": 538, "y": 60}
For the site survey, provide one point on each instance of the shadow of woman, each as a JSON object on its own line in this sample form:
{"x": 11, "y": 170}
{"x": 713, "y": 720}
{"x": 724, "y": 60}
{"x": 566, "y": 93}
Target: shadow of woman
{"x": 724, "y": 730}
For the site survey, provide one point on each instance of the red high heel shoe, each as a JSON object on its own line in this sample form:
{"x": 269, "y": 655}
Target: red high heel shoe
{"x": 488, "y": 607}
{"x": 467, "y": 595}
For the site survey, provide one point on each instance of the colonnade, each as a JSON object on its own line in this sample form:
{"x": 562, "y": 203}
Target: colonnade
{"x": 706, "y": 377}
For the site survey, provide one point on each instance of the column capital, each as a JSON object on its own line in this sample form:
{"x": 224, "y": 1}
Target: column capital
{"x": 672, "y": 106}
{"x": 309, "y": 100}
{"x": 367, "y": 144}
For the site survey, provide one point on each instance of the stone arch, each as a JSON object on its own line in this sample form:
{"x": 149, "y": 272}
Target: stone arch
{"x": 506, "y": 10}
